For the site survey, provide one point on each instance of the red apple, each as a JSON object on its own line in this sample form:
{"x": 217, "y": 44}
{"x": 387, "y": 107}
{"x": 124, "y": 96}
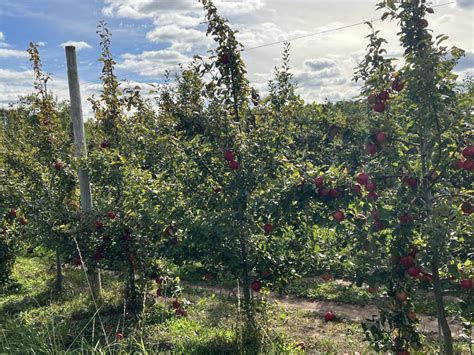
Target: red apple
{"x": 256, "y": 285}
{"x": 319, "y": 181}
{"x": 401, "y": 296}
{"x": 412, "y": 182}
{"x": 467, "y": 208}
{"x": 176, "y": 304}
{"x": 338, "y": 216}
{"x": 466, "y": 284}
{"x": 375, "y": 214}
{"x": 371, "y": 148}
{"x": 335, "y": 193}
{"x": 423, "y": 23}
{"x": 459, "y": 164}
{"x": 104, "y": 144}
{"x": 112, "y": 215}
{"x": 379, "y": 225}
{"x": 468, "y": 165}
{"x": 357, "y": 189}
{"x": 323, "y": 192}
{"x": 159, "y": 292}
{"x": 372, "y": 98}
{"x": 468, "y": 152}
{"x": 229, "y": 155}
{"x": 372, "y": 196}
{"x": 181, "y": 312}
{"x": 234, "y": 165}
{"x": 98, "y": 225}
{"x": 407, "y": 261}
{"x": 381, "y": 137}
{"x": 384, "y": 95}
{"x": 363, "y": 178}
{"x": 411, "y": 315}
{"x": 98, "y": 255}
{"x": 23, "y": 221}
{"x": 119, "y": 336}
{"x": 12, "y": 213}
{"x": 160, "y": 280}
{"x": 58, "y": 165}
{"x": 370, "y": 186}
{"x": 414, "y": 271}
{"x": 329, "y": 316}
{"x": 398, "y": 85}
{"x": 373, "y": 290}
{"x": 268, "y": 228}
{"x": 127, "y": 236}
{"x": 77, "y": 260}
{"x": 224, "y": 58}
{"x": 379, "y": 107}
{"x": 406, "y": 218}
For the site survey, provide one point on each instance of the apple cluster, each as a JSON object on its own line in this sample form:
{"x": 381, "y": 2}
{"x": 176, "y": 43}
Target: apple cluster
{"x": 229, "y": 156}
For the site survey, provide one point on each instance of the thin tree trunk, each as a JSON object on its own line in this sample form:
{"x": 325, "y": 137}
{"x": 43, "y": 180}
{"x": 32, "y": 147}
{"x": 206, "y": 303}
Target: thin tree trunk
{"x": 132, "y": 291}
{"x": 249, "y": 311}
{"x": 59, "y": 273}
{"x": 95, "y": 282}
{"x": 448, "y": 340}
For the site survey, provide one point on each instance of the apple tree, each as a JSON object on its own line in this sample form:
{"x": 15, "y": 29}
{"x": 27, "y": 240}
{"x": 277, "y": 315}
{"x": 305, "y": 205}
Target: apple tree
{"x": 416, "y": 178}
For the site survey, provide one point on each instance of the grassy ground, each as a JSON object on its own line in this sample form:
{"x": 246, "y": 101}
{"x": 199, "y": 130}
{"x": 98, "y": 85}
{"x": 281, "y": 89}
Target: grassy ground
{"x": 35, "y": 321}
{"x": 337, "y": 292}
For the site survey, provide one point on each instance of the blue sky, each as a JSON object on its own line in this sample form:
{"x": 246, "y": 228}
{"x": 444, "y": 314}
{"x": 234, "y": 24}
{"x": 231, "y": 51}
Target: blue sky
{"x": 150, "y": 36}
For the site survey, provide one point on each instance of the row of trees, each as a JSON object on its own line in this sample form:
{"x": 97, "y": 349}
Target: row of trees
{"x": 378, "y": 190}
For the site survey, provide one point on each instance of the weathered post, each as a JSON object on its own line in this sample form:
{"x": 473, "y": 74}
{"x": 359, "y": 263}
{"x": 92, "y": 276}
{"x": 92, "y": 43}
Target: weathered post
{"x": 81, "y": 150}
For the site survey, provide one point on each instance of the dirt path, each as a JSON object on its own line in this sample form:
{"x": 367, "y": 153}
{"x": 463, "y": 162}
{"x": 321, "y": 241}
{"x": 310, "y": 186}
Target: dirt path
{"x": 350, "y": 312}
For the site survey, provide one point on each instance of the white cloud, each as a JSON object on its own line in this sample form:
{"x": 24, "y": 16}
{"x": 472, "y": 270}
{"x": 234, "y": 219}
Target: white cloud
{"x": 181, "y": 39}
{"x": 139, "y": 9}
{"x": 42, "y": 44}
{"x": 184, "y": 21}
{"x": 233, "y": 7}
{"x": 465, "y": 4}
{"x": 12, "y": 53}
{"x": 319, "y": 63}
{"x": 2, "y": 36}
{"x": 78, "y": 44}
{"x": 153, "y": 63}
{"x": 446, "y": 19}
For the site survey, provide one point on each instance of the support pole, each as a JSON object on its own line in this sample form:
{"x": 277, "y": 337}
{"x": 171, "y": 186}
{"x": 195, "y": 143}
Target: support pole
{"x": 81, "y": 149}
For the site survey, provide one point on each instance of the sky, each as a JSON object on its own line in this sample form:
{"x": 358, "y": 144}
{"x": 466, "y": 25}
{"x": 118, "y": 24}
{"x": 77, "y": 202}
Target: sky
{"x": 152, "y": 36}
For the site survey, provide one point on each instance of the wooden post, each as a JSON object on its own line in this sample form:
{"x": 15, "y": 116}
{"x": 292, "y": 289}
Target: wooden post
{"x": 78, "y": 126}
{"x": 81, "y": 148}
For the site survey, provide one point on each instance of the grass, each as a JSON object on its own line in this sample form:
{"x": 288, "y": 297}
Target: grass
{"x": 34, "y": 320}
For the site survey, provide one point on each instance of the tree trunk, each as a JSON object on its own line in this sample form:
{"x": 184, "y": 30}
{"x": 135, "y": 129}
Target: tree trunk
{"x": 448, "y": 340}
{"x": 93, "y": 274}
{"x": 59, "y": 273}
{"x": 248, "y": 304}
{"x": 132, "y": 290}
